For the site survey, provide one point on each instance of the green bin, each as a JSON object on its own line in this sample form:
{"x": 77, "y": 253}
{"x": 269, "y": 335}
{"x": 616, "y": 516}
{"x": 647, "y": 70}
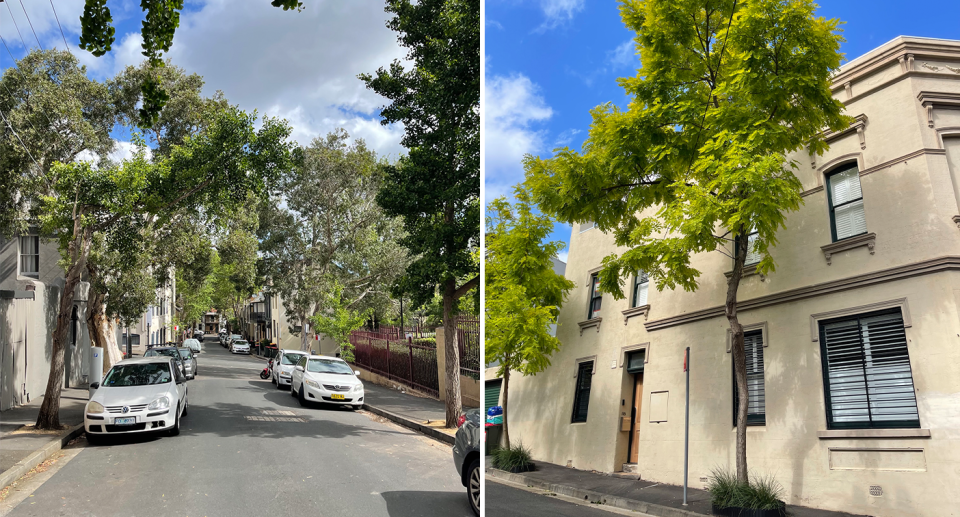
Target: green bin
{"x": 492, "y": 438}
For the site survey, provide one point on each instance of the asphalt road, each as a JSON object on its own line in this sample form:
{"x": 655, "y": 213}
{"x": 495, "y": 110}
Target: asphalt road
{"x": 247, "y": 448}
{"x": 507, "y": 501}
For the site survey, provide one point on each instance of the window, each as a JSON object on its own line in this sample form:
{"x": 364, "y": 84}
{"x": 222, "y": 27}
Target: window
{"x": 867, "y": 379}
{"x": 756, "y": 399}
{"x": 30, "y": 255}
{"x": 581, "y": 399}
{"x": 595, "y": 297}
{"x": 846, "y": 203}
{"x": 587, "y": 225}
{"x": 752, "y": 256}
{"x": 640, "y": 285}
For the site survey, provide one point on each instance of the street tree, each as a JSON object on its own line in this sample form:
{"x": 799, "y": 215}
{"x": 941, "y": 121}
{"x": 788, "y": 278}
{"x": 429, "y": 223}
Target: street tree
{"x": 329, "y": 233}
{"x": 726, "y": 89}
{"x": 51, "y": 112}
{"x": 211, "y": 172}
{"x": 523, "y": 292}
{"x": 436, "y": 187}
{"x": 158, "y": 27}
{"x": 338, "y": 320}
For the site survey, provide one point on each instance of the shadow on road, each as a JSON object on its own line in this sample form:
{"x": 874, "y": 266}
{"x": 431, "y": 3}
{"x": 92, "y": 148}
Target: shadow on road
{"x": 417, "y": 504}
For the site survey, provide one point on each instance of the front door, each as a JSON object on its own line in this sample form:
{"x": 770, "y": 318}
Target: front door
{"x": 635, "y": 418}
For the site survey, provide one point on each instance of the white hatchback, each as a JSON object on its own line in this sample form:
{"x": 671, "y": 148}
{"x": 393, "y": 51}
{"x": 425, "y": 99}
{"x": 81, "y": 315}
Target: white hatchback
{"x": 283, "y": 366}
{"x": 240, "y": 347}
{"x": 143, "y": 394}
{"x": 318, "y": 378}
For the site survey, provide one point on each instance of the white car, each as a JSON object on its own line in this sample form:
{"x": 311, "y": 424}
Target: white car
{"x": 194, "y": 345}
{"x": 240, "y": 347}
{"x": 318, "y": 378}
{"x": 283, "y": 366}
{"x": 144, "y": 394}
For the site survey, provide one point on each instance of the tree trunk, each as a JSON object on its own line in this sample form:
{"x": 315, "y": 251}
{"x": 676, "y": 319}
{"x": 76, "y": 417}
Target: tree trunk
{"x": 739, "y": 356}
{"x": 451, "y": 354}
{"x": 78, "y": 251}
{"x": 303, "y": 333}
{"x": 506, "y": 393}
{"x": 102, "y": 330}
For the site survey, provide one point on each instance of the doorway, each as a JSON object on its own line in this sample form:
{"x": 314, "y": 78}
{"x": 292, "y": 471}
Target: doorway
{"x": 634, "y": 364}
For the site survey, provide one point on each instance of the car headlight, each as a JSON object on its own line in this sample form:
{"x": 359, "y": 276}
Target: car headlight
{"x": 358, "y": 387}
{"x": 161, "y": 403}
{"x": 313, "y": 384}
{"x": 284, "y": 373}
{"x": 94, "y": 407}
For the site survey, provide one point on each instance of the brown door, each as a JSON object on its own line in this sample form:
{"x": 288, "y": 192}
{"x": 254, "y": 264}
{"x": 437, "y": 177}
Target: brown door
{"x": 635, "y": 426}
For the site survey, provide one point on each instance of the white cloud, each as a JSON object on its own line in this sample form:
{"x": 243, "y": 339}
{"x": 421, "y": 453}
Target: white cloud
{"x": 513, "y": 113}
{"x": 566, "y": 138}
{"x": 624, "y": 55}
{"x": 559, "y": 12}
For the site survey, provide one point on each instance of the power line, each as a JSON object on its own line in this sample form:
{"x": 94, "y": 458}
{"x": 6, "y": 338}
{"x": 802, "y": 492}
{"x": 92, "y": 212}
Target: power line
{"x": 21, "y": 142}
{"x": 15, "y": 25}
{"x": 31, "y": 24}
{"x": 67, "y": 45}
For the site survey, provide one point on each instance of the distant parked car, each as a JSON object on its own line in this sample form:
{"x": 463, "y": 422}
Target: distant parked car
{"x": 198, "y": 334}
{"x": 466, "y": 455}
{"x": 194, "y": 345}
{"x": 231, "y": 339}
{"x": 283, "y": 366}
{"x": 318, "y": 378}
{"x": 240, "y": 347}
{"x": 167, "y": 351}
{"x": 144, "y": 394}
{"x": 189, "y": 363}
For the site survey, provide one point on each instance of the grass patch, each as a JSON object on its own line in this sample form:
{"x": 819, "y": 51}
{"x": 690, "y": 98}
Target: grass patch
{"x": 760, "y": 493}
{"x": 509, "y": 458}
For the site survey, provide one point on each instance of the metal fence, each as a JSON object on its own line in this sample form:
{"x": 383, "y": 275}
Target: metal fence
{"x": 411, "y": 361}
{"x": 468, "y": 339}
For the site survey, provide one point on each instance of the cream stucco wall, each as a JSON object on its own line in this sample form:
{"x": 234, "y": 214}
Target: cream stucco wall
{"x": 908, "y": 181}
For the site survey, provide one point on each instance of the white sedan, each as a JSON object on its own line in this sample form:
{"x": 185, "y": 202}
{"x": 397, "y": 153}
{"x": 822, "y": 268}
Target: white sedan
{"x": 283, "y": 366}
{"x": 240, "y": 347}
{"x": 318, "y": 378}
{"x": 143, "y": 394}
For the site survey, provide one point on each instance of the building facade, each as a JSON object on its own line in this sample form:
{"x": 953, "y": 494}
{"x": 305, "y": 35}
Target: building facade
{"x": 267, "y": 318}
{"x": 853, "y": 344}
{"x": 31, "y": 283}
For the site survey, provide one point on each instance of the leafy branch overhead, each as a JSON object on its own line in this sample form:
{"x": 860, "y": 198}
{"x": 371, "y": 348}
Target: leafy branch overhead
{"x": 158, "y": 28}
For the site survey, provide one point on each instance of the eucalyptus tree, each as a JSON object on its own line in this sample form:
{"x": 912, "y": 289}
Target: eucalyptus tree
{"x": 726, "y": 89}
{"x": 210, "y": 172}
{"x": 436, "y": 187}
{"x": 327, "y": 233}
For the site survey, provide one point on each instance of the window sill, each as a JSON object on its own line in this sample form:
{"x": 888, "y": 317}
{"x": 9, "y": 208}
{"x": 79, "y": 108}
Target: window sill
{"x": 595, "y": 322}
{"x": 643, "y": 310}
{"x": 868, "y": 239}
{"x": 873, "y": 433}
{"x": 747, "y": 271}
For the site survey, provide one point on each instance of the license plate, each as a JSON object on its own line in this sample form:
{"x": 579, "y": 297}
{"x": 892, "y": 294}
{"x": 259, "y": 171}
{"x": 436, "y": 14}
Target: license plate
{"x": 336, "y": 397}
{"x": 124, "y": 421}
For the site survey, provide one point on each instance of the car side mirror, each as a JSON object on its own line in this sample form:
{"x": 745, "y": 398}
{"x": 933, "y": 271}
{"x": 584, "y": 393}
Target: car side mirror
{"x": 299, "y": 368}
{"x": 181, "y": 380}
{"x": 356, "y": 372}
{"x": 94, "y": 385}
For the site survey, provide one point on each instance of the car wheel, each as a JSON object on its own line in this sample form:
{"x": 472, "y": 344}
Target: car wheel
{"x": 473, "y": 486}
{"x": 301, "y": 398}
{"x": 175, "y": 430}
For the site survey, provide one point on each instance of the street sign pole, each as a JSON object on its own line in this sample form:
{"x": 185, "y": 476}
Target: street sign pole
{"x": 686, "y": 426}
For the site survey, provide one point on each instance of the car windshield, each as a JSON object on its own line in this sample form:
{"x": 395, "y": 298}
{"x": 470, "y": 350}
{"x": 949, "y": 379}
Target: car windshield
{"x": 169, "y": 352}
{"x": 185, "y": 352}
{"x": 137, "y": 375}
{"x": 290, "y": 358}
{"x": 328, "y": 366}
{"x": 239, "y": 342}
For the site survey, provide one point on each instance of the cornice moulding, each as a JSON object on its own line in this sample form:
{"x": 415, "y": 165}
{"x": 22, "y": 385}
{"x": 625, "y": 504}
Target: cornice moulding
{"x": 595, "y": 322}
{"x": 868, "y": 239}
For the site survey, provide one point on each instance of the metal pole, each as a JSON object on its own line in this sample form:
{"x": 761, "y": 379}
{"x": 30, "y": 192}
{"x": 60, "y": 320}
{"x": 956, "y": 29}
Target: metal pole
{"x": 686, "y": 427}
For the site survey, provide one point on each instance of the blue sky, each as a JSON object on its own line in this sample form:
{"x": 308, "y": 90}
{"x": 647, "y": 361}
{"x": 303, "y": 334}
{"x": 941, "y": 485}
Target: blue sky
{"x": 299, "y": 66}
{"x": 548, "y": 62}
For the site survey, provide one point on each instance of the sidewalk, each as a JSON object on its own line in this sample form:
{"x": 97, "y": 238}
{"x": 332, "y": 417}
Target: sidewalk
{"x": 21, "y": 451}
{"x": 642, "y": 496}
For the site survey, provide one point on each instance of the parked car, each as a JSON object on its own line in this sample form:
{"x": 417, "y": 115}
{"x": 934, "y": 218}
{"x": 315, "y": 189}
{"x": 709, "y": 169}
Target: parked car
{"x": 189, "y": 362}
{"x": 194, "y": 345}
{"x": 240, "y": 347}
{"x": 466, "y": 455}
{"x": 167, "y": 351}
{"x": 318, "y": 378}
{"x": 283, "y": 365}
{"x": 198, "y": 334}
{"x": 231, "y": 339}
{"x": 144, "y": 394}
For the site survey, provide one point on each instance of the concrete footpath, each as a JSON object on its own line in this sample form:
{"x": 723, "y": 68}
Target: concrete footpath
{"x": 657, "y": 499}
{"x": 22, "y": 449}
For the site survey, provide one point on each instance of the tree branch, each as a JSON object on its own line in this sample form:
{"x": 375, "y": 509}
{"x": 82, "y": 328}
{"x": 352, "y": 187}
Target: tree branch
{"x": 462, "y": 290}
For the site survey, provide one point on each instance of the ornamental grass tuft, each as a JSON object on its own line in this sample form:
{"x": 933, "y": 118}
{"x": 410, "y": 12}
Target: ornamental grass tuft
{"x": 760, "y": 493}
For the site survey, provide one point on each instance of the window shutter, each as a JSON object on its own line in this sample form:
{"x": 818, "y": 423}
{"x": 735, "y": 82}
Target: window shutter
{"x": 581, "y": 400}
{"x": 850, "y": 220}
{"x": 752, "y": 256}
{"x": 756, "y": 395}
{"x": 640, "y": 290}
{"x": 868, "y": 378}
{"x": 845, "y": 186}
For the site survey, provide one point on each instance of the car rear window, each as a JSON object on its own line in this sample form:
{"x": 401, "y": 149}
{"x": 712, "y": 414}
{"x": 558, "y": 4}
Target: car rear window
{"x": 185, "y": 353}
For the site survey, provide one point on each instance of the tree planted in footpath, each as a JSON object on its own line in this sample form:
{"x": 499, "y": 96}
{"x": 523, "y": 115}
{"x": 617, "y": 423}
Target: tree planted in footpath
{"x": 697, "y": 162}
{"x": 212, "y": 172}
{"x": 523, "y": 293}
{"x": 436, "y": 187}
